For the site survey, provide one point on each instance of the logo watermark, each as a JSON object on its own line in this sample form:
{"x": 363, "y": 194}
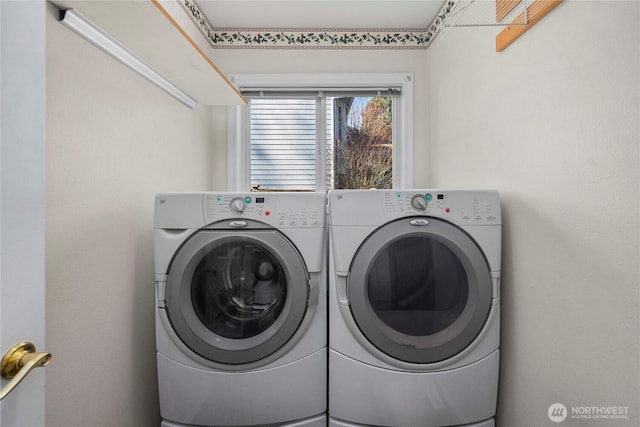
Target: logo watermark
{"x": 558, "y": 412}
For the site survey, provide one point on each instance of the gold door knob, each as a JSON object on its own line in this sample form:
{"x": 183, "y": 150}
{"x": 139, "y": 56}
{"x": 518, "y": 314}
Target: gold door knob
{"x": 18, "y": 362}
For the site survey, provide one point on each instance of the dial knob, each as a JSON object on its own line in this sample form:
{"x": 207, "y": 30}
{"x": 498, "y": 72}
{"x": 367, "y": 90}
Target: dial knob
{"x": 419, "y": 202}
{"x": 237, "y": 205}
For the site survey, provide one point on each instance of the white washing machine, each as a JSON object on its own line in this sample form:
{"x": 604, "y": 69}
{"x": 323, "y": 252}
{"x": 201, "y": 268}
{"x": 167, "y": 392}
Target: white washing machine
{"x": 414, "y": 307}
{"x": 241, "y": 315}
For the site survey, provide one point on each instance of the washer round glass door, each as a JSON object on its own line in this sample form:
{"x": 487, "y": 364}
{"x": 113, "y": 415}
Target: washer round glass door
{"x": 235, "y": 297}
{"x": 419, "y": 289}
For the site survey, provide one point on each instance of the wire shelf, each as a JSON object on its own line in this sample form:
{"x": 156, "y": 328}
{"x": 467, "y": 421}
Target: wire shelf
{"x": 483, "y": 13}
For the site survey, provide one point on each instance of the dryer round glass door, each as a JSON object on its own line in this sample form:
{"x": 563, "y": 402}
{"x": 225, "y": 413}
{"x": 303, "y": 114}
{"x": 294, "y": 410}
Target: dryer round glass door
{"x": 420, "y": 289}
{"x": 235, "y": 297}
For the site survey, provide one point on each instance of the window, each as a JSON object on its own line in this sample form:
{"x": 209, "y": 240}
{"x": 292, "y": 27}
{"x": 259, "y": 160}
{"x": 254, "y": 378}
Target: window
{"x": 318, "y": 132}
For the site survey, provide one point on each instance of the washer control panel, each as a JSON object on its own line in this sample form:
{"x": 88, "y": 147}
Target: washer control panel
{"x": 277, "y": 209}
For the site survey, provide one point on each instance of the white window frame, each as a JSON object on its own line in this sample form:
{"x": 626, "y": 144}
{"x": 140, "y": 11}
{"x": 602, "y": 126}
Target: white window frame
{"x": 238, "y": 125}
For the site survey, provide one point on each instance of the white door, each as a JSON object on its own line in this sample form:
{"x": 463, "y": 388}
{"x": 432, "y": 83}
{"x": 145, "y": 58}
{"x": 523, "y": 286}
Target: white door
{"x": 22, "y": 199}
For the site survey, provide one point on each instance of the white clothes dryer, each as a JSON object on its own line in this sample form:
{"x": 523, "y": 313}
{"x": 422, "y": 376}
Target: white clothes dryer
{"x": 414, "y": 307}
{"x": 241, "y": 315}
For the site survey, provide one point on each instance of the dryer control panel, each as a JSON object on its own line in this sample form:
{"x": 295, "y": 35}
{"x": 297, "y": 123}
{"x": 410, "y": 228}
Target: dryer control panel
{"x": 463, "y": 207}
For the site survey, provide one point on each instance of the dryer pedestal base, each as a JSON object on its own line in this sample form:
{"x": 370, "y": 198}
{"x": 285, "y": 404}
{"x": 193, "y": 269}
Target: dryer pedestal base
{"x": 339, "y": 423}
{"x": 456, "y": 397}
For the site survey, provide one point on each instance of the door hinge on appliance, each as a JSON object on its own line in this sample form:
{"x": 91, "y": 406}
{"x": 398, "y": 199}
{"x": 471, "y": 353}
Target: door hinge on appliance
{"x": 314, "y": 293}
{"x": 495, "y": 281}
{"x": 160, "y": 291}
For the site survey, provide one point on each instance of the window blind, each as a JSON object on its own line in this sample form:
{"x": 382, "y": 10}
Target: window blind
{"x": 283, "y": 144}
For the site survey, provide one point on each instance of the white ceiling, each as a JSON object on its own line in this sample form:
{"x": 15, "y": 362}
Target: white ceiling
{"x": 316, "y": 14}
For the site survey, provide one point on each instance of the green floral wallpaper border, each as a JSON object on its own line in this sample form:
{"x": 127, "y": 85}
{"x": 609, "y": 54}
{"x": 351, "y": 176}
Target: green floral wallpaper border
{"x": 238, "y": 38}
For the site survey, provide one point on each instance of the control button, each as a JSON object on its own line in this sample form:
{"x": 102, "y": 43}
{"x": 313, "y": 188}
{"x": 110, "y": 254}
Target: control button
{"x": 267, "y": 213}
{"x": 447, "y": 210}
{"x": 419, "y": 202}
{"x": 247, "y": 200}
{"x": 428, "y": 197}
{"x": 237, "y": 205}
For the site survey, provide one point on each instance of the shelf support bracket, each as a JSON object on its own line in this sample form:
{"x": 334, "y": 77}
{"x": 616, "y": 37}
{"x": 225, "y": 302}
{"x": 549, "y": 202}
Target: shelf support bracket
{"x": 535, "y": 12}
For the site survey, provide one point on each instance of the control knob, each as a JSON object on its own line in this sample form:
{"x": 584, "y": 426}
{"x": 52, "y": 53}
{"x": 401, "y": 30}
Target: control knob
{"x": 419, "y": 202}
{"x": 237, "y": 205}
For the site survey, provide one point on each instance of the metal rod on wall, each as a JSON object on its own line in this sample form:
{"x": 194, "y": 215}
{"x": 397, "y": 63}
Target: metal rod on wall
{"x": 82, "y": 26}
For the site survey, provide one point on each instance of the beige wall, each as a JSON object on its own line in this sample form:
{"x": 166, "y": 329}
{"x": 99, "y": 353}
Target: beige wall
{"x": 553, "y": 122}
{"x": 113, "y": 141}
{"x": 253, "y": 61}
